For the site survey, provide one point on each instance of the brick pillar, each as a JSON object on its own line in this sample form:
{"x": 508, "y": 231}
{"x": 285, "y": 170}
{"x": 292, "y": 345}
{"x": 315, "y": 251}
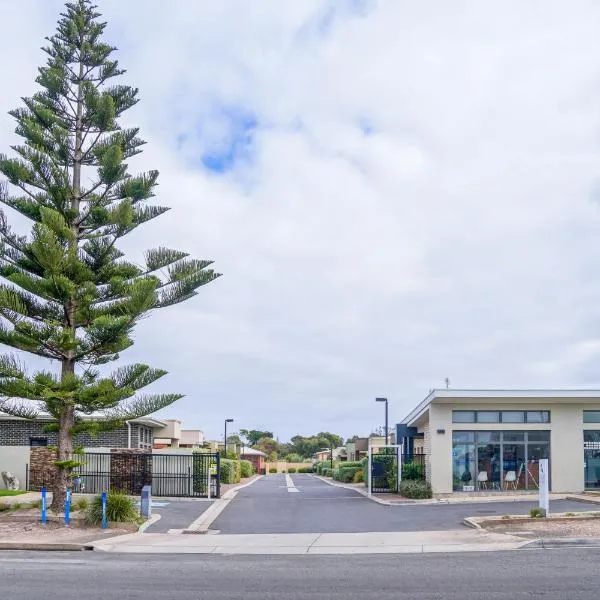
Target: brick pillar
{"x": 130, "y": 470}
{"x": 41, "y": 467}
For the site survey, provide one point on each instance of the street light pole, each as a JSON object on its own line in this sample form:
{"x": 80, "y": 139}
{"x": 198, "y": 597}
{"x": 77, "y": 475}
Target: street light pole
{"x": 226, "y": 421}
{"x": 386, "y": 418}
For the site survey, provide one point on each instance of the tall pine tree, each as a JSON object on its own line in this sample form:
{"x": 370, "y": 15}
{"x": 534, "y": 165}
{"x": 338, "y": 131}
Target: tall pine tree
{"x": 67, "y": 293}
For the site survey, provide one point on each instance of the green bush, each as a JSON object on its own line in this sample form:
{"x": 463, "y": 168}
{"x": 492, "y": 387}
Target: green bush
{"x": 537, "y": 512}
{"x": 230, "y": 471}
{"x": 246, "y": 468}
{"x": 365, "y": 469}
{"x": 413, "y": 470}
{"x": 351, "y": 463}
{"x": 305, "y": 470}
{"x": 273, "y": 470}
{"x": 292, "y": 470}
{"x": 81, "y": 504}
{"x": 119, "y": 509}
{"x": 358, "y": 476}
{"x": 415, "y": 489}
{"x": 293, "y": 458}
{"x": 346, "y": 474}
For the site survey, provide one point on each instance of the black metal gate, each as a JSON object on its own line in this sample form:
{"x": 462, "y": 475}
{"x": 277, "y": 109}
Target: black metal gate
{"x": 384, "y": 469}
{"x": 169, "y": 475}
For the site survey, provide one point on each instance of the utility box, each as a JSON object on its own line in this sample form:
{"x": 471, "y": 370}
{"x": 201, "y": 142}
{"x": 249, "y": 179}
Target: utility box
{"x": 146, "y": 502}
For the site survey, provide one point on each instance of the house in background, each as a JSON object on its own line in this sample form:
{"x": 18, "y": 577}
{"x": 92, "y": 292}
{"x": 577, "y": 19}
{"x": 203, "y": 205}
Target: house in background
{"x": 256, "y": 457}
{"x": 173, "y": 436}
{"x": 21, "y": 439}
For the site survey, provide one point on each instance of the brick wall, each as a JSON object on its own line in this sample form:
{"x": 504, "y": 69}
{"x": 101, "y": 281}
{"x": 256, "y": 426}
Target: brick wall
{"x": 41, "y": 467}
{"x": 18, "y": 433}
{"x": 130, "y": 470}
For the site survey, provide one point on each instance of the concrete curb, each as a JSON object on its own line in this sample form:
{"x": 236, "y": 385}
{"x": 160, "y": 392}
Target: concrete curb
{"x": 153, "y": 519}
{"x": 48, "y": 547}
{"x": 206, "y": 519}
{"x": 591, "y": 500}
{"x": 549, "y": 543}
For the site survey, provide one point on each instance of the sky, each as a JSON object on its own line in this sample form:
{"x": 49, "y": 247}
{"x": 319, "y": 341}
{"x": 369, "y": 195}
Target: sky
{"x": 395, "y": 193}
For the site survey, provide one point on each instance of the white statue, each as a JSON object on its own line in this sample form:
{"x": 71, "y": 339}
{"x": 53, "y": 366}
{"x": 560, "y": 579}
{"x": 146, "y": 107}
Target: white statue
{"x": 10, "y": 481}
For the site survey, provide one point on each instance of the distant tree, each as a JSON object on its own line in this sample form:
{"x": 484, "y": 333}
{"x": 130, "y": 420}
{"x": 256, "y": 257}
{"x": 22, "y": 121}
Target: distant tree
{"x": 267, "y": 445}
{"x": 254, "y": 435}
{"x": 352, "y": 439}
{"x": 334, "y": 440}
{"x": 234, "y": 438}
{"x": 68, "y": 294}
{"x": 293, "y": 458}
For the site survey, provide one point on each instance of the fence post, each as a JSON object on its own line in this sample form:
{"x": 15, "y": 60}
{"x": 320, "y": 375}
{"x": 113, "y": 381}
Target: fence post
{"x": 104, "y": 519}
{"x": 218, "y": 494}
{"x": 43, "y": 506}
{"x": 68, "y": 508}
{"x": 370, "y": 468}
{"x": 208, "y": 474}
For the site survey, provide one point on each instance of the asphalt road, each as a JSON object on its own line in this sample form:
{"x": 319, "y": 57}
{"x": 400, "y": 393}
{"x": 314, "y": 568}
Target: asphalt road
{"x": 564, "y": 574}
{"x": 176, "y": 514}
{"x": 317, "y": 507}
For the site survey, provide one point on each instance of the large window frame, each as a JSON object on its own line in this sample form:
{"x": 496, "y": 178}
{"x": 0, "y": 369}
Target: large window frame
{"x": 522, "y": 417}
{"x": 470, "y": 443}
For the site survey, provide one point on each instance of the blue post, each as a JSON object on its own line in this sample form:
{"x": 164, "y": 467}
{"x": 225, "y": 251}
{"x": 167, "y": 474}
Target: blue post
{"x": 104, "y": 519}
{"x": 68, "y": 508}
{"x": 43, "y": 506}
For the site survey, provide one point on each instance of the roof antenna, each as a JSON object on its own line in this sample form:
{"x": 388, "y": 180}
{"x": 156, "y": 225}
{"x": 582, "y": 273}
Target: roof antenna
{"x": 447, "y": 382}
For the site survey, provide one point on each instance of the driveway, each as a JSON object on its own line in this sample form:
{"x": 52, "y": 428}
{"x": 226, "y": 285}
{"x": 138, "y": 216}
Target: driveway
{"x": 176, "y": 514}
{"x": 272, "y": 506}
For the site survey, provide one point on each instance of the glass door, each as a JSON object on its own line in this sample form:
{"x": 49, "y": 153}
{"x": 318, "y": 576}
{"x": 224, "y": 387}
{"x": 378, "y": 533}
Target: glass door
{"x": 591, "y": 459}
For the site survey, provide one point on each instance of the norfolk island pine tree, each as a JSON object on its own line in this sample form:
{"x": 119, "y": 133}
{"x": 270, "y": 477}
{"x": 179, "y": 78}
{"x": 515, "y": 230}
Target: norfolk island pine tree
{"x": 67, "y": 293}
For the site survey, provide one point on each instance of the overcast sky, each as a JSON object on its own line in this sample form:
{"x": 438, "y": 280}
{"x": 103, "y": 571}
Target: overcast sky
{"x": 396, "y": 192}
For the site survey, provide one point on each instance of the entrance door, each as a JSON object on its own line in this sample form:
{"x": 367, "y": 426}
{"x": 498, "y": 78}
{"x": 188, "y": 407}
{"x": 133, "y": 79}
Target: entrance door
{"x": 591, "y": 459}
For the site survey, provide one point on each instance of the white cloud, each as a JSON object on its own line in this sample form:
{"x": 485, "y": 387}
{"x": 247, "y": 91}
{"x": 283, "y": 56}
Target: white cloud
{"x": 418, "y": 203}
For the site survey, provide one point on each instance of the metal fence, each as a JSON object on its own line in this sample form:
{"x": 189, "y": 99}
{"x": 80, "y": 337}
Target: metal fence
{"x": 385, "y": 471}
{"x": 176, "y": 475}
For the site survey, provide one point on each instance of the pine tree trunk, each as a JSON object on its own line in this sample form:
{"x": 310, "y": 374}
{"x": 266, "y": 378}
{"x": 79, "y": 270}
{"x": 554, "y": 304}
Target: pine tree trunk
{"x": 63, "y": 479}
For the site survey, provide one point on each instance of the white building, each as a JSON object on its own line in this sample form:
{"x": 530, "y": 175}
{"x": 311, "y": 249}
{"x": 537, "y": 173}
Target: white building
{"x": 482, "y": 440}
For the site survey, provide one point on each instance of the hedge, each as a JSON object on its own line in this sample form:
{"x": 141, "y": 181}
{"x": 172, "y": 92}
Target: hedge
{"x": 411, "y": 488}
{"x": 346, "y": 474}
{"x": 230, "y": 471}
{"x": 273, "y": 470}
{"x": 246, "y": 468}
{"x": 413, "y": 470}
{"x": 292, "y": 470}
{"x": 358, "y": 476}
{"x": 305, "y": 470}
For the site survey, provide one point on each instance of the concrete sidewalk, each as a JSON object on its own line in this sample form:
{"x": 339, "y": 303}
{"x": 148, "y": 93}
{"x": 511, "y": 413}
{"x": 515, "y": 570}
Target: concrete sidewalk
{"x": 313, "y": 543}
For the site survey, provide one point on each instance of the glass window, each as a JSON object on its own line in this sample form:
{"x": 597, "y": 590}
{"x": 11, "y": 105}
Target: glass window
{"x": 513, "y": 436}
{"x": 463, "y": 416}
{"x": 463, "y": 467}
{"x": 538, "y": 416}
{"x": 538, "y": 436}
{"x": 513, "y": 462}
{"x": 591, "y": 416}
{"x": 489, "y": 475}
{"x": 486, "y": 437}
{"x": 513, "y": 416}
{"x": 463, "y": 436}
{"x": 488, "y": 416}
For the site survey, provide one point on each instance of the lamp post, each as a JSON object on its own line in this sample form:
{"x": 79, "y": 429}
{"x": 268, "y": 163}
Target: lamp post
{"x": 227, "y": 421}
{"x": 386, "y": 417}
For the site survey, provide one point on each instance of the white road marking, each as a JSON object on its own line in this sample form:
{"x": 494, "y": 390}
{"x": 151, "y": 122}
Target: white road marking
{"x": 290, "y": 484}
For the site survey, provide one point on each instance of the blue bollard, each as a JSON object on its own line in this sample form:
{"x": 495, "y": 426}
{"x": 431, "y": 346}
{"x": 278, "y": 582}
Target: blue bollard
{"x": 68, "y": 509}
{"x": 104, "y": 519}
{"x": 43, "y": 506}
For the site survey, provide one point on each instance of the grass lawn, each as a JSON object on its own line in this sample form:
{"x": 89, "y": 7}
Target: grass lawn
{"x": 11, "y": 492}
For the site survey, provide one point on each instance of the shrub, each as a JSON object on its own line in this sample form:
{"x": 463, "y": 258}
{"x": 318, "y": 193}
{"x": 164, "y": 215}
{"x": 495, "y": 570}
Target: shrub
{"x": 346, "y": 474}
{"x": 537, "y": 512}
{"x": 119, "y": 509}
{"x": 81, "y": 504}
{"x": 246, "y": 468}
{"x": 230, "y": 470}
{"x": 273, "y": 470}
{"x": 415, "y": 489}
{"x": 305, "y": 470}
{"x": 365, "y": 469}
{"x": 358, "y": 476}
{"x": 292, "y": 470}
{"x": 413, "y": 470}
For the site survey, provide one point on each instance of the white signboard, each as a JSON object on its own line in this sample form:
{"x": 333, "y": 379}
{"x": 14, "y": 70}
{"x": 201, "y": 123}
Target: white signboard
{"x": 544, "y": 492}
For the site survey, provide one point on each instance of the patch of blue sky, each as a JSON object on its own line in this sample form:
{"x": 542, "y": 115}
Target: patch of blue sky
{"x": 233, "y": 144}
